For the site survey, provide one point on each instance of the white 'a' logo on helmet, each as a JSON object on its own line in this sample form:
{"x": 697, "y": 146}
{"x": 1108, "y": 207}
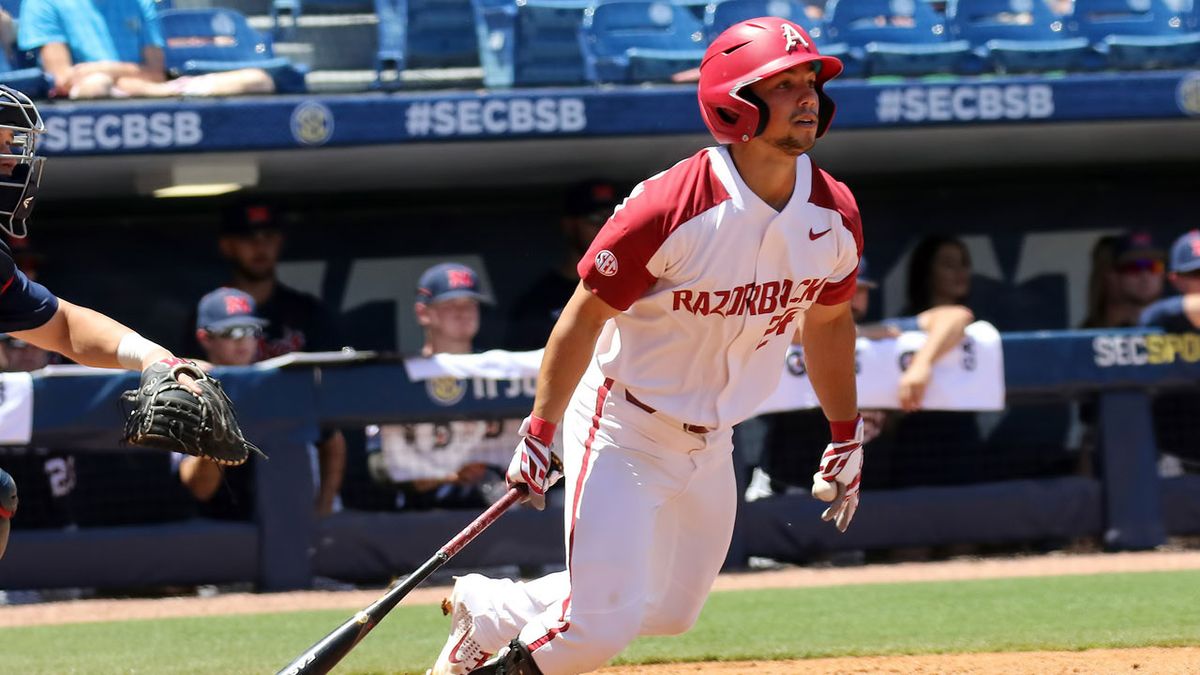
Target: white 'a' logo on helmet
{"x": 792, "y": 38}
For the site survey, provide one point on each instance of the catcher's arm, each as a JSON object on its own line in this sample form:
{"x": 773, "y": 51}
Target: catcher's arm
{"x": 90, "y": 338}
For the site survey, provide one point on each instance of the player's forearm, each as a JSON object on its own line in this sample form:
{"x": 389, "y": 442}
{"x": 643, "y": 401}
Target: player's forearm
{"x": 829, "y": 360}
{"x": 89, "y": 338}
{"x": 945, "y": 328}
{"x": 200, "y": 476}
{"x": 568, "y": 352}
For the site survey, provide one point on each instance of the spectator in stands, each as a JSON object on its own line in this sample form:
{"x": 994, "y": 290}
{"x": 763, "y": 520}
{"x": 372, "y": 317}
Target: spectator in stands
{"x": 1181, "y": 312}
{"x": 115, "y": 49}
{"x": 454, "y": 464}
{"x": 588, "y": 206}
{"x": 228, "y": 328}
{"x": 1127, "y": 275}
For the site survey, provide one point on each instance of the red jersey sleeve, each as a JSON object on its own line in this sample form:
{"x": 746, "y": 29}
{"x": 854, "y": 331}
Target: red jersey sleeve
{"x": 846, "y": 271}
{"x": 614, "y": 267}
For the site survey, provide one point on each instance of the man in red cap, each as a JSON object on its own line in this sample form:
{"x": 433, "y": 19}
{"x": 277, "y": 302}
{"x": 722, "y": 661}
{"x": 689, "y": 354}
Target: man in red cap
{"x": 689, "y": 297}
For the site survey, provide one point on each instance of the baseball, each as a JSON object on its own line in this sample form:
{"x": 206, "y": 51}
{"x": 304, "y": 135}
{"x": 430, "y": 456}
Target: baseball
{"x": 822, "y": 489}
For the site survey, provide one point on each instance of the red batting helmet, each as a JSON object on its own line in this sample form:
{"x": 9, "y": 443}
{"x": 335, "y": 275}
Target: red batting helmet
{"x": 745, "y": 53}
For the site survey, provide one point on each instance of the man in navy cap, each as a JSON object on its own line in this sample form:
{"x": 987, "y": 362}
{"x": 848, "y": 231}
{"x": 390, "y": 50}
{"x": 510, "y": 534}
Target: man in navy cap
{"x": 227, "y": 327}
{"x": 1181, "y": 312}
{"x": 1174, "y": 411}
{"x": 251, "y": 238}
{"x": 230, "y": 330}
{"x": 454, "y": 464}
{"x": 447, "y": 307}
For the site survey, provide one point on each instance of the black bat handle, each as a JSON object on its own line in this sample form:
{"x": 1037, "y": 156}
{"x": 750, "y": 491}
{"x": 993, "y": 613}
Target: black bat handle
{"x": 324, "y": 655}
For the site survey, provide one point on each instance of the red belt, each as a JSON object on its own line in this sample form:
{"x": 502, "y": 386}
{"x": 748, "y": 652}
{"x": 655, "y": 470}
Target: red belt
{"x": 694, "y": 428}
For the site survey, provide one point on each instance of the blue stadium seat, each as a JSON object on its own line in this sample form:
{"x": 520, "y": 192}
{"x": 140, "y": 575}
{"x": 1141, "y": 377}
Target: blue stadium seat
{"x": 390, "y": 57}
{"x": 200, "y": 41}
{"x": 441, "y": 33}
{"x": 724, "y": 13}
{"x": 530, "y": 42}
{"x": 639, "y": 41}
{"x": 893, "y": 37}
{"x": 1139, "y": 33}
{"x": 1016, "y": 35}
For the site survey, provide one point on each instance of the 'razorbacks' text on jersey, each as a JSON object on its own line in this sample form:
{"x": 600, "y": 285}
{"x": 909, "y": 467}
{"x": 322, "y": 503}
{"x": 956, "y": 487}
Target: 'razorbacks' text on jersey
{"x": 710, "y": 280}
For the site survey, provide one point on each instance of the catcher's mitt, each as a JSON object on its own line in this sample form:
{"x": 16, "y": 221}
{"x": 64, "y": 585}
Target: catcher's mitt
{"x": 167, "y": 415}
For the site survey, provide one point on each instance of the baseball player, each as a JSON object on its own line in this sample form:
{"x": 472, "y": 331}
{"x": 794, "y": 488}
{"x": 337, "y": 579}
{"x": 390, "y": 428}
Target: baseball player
{"x": 678, "y": 330}
{"x": 453, "y": 463}
{"x": 1179, "y": 313}
{"x": 28, "y": 311}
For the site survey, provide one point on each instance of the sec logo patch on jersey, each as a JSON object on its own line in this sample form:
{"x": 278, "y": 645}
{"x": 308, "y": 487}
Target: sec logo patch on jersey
{"x": 606, "y": 263}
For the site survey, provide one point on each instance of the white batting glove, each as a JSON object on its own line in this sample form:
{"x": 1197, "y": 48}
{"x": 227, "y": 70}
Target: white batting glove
{"x": 533, "y": 461}
{"x": 839, "y": 478}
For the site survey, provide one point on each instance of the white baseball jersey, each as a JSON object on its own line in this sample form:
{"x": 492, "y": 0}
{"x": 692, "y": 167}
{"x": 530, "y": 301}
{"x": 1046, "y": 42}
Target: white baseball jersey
{"x": 710, "y": 279}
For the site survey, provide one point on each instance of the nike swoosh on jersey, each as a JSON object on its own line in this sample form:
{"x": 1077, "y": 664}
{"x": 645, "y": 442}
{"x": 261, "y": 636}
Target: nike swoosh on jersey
{"x": 817, "y": 235}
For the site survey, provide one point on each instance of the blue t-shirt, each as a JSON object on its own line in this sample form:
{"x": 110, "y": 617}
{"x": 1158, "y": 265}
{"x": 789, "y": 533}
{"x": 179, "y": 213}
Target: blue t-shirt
{"x": 1167, "y": 314}
{"x": 24, "y": 304}
{"x": 111, "y": 30}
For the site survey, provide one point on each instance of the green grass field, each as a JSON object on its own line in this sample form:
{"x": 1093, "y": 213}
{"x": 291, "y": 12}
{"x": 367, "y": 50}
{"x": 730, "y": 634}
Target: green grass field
{"x": 1069, "y": 613}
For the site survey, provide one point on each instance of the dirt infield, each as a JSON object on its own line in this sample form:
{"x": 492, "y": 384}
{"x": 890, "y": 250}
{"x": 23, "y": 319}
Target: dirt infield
{"x": 84, "y": 611}
{"x": 1159, "y": 661}
{"x": 1144, "y": 660}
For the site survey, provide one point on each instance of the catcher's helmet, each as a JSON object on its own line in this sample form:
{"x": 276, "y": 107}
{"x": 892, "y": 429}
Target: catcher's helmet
{"x": 745, "y": 53}
{"x": 19, "y": 185}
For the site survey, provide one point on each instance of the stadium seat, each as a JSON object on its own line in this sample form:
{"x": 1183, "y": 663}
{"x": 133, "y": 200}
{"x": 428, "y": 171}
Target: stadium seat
{"x": 393, "y": 42}
{"x": 530, "y": 42}
{"x": 639, "y": 41}
{"x": 893, "y": 37}
{"x": 1016, "y": 35}
{"x": 200, "y": 41}
{"x": 1134, "y": 34}
{"x": 31, "y": 81}
{"x": 440, "y": 33}
{"x": 724, "y": 13}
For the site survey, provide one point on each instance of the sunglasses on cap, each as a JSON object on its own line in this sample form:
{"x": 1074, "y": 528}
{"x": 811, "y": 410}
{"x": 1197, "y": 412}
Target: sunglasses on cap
{"x": 1152, "y": 265}
{"x": 237, "y": 332}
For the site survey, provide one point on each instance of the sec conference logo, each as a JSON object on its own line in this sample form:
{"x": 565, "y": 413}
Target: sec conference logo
{"x": 312, "y": 123}
{"x": 606, "y": 263}
{"x": 1187, "y": 93}
{"x": 446, "y": 390}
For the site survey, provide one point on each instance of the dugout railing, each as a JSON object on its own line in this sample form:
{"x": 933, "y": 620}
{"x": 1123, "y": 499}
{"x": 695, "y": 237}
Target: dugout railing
{"x": 282, "y": 407}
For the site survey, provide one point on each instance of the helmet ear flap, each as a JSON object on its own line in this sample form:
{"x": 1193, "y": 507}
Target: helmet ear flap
{"x": 764, "y": 112}
{"x": 825, "y": 110}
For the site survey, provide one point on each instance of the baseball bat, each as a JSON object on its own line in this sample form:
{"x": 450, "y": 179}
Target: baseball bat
{"x": 324, "y": 655}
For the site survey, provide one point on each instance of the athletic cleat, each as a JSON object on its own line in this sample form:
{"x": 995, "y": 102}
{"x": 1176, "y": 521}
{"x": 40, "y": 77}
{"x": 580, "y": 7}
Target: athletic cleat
{"x": 462, "y": 653}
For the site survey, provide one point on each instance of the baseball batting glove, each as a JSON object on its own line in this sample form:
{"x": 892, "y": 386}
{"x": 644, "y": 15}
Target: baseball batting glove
{"x": 533, "y": 462}
{"x": 840, "y": 475}
{"x": 169, "y": 415}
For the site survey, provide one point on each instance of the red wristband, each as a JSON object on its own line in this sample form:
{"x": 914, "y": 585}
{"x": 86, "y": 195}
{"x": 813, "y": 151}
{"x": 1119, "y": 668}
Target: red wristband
{"x": 542, "y": 430}
{"x": 844, "y": 430}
